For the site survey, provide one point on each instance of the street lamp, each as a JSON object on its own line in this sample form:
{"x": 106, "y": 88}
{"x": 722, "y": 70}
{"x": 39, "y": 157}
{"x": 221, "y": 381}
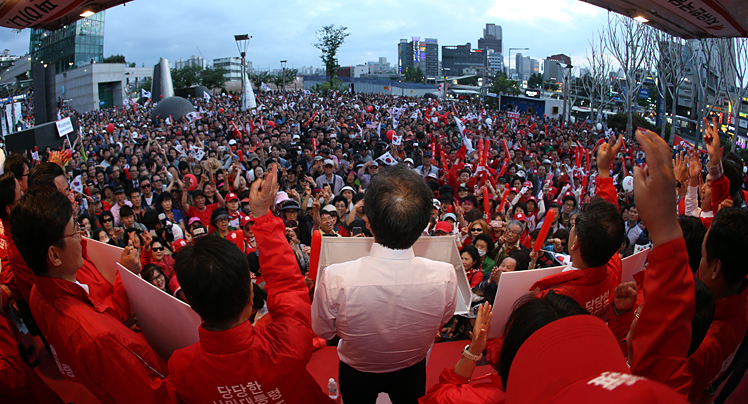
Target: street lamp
{"x": 509, "y": 69}
{"x": 242, "y": 43}
{"x": 283, "y": 77}
{"x": 567, "y": 78}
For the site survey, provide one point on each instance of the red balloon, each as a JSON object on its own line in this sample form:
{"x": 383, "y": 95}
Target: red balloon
{"x": 220, "y": 110}
{"x": 390, "y": 134}
{"x": 369, "y": 109}
{"x": 193, "y": 181}
{"x": 110, "y": 128}
{"x": 69, "y": 154}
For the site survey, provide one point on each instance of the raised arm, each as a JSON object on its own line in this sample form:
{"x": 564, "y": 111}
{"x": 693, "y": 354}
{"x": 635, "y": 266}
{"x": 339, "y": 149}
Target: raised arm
{"x": 605, "y": 155}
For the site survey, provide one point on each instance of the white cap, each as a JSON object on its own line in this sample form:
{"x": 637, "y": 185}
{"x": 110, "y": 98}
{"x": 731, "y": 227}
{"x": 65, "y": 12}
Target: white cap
{"x": 329, "y": 162}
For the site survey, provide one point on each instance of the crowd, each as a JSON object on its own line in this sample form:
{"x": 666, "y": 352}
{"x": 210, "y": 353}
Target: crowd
{"x": 219, "y": 210}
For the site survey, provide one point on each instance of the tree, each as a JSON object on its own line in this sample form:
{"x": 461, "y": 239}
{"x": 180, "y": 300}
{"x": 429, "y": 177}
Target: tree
{"x": 260, "y": 77}
{"x": 675, "y": 60}
{"x": 186, "y": 76}
{"x": 115, "y": 59}
{"x": 551, "y": 85}
{"x": 630, "y": 43}
{"x": 535, "y": 80}
{"x": 736, "y": 62}
{"x": 324, "y": 89}
{"x": 213, "y": 77}
{"x": 596, "y": 82}
{"x": 620, "y": 122}
{"x": 413, "y": 75}
{"x": 330, "y": 39}
{"x": 286, "y": 77}
{"x": 146, "y": 84}
{"x": 502, "y": 85}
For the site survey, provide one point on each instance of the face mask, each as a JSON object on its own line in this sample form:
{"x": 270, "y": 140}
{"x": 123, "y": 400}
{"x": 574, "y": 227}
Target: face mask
{"x": 482, "y": 253}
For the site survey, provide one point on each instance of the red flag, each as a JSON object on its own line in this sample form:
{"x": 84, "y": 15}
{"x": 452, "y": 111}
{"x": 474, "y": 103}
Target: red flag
{"x": 461, "y": 153}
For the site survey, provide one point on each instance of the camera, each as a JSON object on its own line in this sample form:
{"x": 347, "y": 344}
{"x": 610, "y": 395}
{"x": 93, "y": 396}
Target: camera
{"x": 168, "y": 235}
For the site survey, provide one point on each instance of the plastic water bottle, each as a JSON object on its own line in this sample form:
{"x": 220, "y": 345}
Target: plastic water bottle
{"x": 332, "y": 389}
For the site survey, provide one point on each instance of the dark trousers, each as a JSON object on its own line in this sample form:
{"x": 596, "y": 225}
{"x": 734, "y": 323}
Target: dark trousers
{"x": 404, "y": 386}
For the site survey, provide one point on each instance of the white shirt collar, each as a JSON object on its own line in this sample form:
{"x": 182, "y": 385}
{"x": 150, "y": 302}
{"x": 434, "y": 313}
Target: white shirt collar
{"x": 85, "y": 287}
{"x": 380, "y": 251}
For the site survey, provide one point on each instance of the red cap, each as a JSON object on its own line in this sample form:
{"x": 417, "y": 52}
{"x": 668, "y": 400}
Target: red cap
{"x": 570, "y": 350}
{"x": 527, "y": 184}
{"x": 514, "y": 189}
{"x": 613, "y": 387}
{"x": 178, "y": 245}
{"x": 563, "y": 178}
{"x": 552, "y": 191}
{"x": 532, "y": 198}
{"x": 521, "y": 217}
{"x": 232, "y": 197}
{"x": 245, "y": 220}
{"x": 443, "y": 226}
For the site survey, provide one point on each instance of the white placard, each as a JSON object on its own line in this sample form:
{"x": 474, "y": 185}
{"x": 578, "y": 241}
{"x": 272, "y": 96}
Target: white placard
{"x": 335, "y": 250}
{"x": 105, "y": 257}
{"x": 633, "y": 264}
{"x": 64, "y": 126}
{"x": 167, "y": 323}
{"x": 512, "y": 286}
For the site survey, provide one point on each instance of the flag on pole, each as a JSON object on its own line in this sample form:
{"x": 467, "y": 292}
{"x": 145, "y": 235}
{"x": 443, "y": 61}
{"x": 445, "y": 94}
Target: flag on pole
{"x": 249, "y": 96}
{"x": 206, "y": 96}
{"x": 387, "y": 158}
{"x": 77, "y": 186}
{"x": 264, "y": 87}
{"x": 146, "y": 94}
{"x": 193, "y": 116}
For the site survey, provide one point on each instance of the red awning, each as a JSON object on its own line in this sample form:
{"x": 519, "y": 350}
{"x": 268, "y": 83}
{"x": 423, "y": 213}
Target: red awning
{"x": 49, "y": 14}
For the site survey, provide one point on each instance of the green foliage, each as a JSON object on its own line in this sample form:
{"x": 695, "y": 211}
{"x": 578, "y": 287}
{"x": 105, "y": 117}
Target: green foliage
{"x": 287, "y": 78}
{"x": 329, "y": 40}
{"x": 535, "y": 80}
{"x": 260, "y": 77}
{"x": 618, "y": 122}
{"x": 213, "y": 77}
{"x": 324, "y": 89}
{"x": 186, "y": 76}
{"x": 115, "y": 59}
{"x": 146, "y": 84}
{"x": 413, "y": 75}
{"x": 502, "y": 84}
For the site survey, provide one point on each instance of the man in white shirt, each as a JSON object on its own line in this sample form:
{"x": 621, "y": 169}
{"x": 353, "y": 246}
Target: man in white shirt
{"x": 388, "y": 306}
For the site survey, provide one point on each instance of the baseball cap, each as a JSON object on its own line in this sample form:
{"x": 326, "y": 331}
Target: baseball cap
{"x": 317, "y": 158}
{"x": 437, "y": 204}
{"x": 193, "y": 220}
{"x": 245, "y": 220}
{"x": 571, "y": 349}
{"x": 329, "y": 208}
{"x": 290, "y": 204}
{"x": 462, "y": 186}
{"x": 231, "y": 197}
{"x": 546, "y": 161}
{"x": 427, "y": 154}
{"x": 527, "y": 184}
{"x": 513, "y": 189}
{"x": 521, "y": 217}
{"x": 329, "y": 162}
{"x": 347, "y": 188}
{"x": 281, "y": 197}
{"x": 443, "y": 226}
{"x": 119, "y": 190}
{"x": 450, "y": 216}
{"x": 563, "y": 178}
{"x": 178, "y": 245}
{"x": 408, "y": 160}
{"x": 218, "y": 214}
{"x": 199, "y": 231}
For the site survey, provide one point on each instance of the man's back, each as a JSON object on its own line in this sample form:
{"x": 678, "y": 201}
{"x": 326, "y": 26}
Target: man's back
{"x": 386, "y": 307}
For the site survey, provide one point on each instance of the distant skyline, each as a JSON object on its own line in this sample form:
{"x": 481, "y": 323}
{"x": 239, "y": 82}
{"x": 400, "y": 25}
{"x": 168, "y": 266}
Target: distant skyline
{"x": 143, "y": 31}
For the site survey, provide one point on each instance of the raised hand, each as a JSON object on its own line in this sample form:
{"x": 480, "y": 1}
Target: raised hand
{"x": 654, "y": 187}
{"x": 681, "y": 168}
{"x": 263, "y": 191}
{"x": 694, "y": 167}
{"x": 624, "y": 297}
{"x": 711, "y": 141}
{"x": 480, "y": 330}
{"x": 606, "y": 153}
{"x": 130, "y": 259}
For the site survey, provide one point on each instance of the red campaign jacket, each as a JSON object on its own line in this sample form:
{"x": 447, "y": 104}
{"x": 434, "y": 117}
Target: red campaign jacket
{"x": 6, "y": 273}
{"x": 721, "y": 343}
{"x": 254, "y": 363}
{"x": 662, "y": 335}
{"x": 166, "y": 264}
{"x": 590, "y": 287}
{"x": 720, "y": 192}
{"x": 18, "y": 382}
{"x": 620, "y": 325}
{"x": 91, "y": 346}
{"x": 455, "y": 389}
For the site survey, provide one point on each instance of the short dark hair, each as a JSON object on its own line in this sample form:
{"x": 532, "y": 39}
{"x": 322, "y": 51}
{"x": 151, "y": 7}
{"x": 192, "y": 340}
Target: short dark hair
{"x": 530, "y": 314}
{"x": 126, "y": 211}
{"x": 485, "y": 237}
{"x": 37, "y": 222}
{"x": 165, "y": 196}
{"x": 703, "y": 315}
{"x": 470, "y": 249}
{"x": 522, "y": 257}
{"x": 7, "y": 193}
{"x": 600, "y": 232}
{"x": 725, "y": 240}
{"x": 44, "y": 174}
{"x": 693, "y": 232}
{"x": 215, "y": 278}
{"x": 733, "y": 170}
{"x": 14, "y": 164}
{"x": 134, "y": 190}
{"x": 398, "y": 206}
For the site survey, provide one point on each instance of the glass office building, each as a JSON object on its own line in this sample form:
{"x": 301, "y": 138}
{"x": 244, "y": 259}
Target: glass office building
{"x": 74, "y": 45}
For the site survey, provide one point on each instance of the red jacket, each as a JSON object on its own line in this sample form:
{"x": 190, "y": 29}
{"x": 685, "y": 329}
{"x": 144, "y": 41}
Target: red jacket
{"x": 455, "y": 389}
{"x": 662, "y": 335}
{"x": 91, "y": 346}
{"x": 246, "y": 362}
{"x": 721, "y": 343}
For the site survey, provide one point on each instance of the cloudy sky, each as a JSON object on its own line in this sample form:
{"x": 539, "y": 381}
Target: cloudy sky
{"x": 145, "y": 30}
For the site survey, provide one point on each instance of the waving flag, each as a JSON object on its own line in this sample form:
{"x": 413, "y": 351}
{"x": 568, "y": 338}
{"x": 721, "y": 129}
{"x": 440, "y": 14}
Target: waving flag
{"x": 206, "y": 96}
{"x": 387, "y": 158}
{"x": 77, "y": 186}
{"x": 146, "y": 94}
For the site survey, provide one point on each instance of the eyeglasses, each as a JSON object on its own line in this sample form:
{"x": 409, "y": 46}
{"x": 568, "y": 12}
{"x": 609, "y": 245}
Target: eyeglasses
{"x": 145, "y": 185}
{"x": 155, "y": 180}
{"x": 76, "y": 231}
{"x": 107, "y": 220}
{"x": 157, "y": 248}
{"x": 476, "y": 229}
{"x": 508, "y": 231}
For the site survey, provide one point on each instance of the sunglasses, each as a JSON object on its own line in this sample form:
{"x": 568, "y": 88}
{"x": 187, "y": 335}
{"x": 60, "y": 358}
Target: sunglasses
{"x": 145, "y": 185}
{"x": 476, "y": 229}
{"x": 107, "y": 220}
{"x": 157, "y": 248}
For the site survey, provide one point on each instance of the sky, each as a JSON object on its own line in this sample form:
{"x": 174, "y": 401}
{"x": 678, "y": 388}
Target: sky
{"x": 145, "y": 30}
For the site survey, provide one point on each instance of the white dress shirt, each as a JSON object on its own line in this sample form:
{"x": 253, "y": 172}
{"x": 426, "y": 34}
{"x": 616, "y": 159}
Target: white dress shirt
{"x": 386, "y": 307}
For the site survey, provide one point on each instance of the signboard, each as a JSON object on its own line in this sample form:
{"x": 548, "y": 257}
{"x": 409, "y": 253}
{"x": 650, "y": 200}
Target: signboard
{"x": 64, "y": 126}
{"x": 644, "y": 93}
{"x": 532, "y": 93}
{"x": 335, "y": 250}
{"x": 707, "y": 15}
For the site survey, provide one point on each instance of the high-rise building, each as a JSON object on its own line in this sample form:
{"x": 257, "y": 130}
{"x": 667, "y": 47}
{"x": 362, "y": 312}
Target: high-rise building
{"x": 417, "y": 53}
{"x": 76, "y": 44}
{"x": 492, "y": 38}
{"x": 526, "y": 66}
{"x": 192, "y": 61}
{"x": 455, "y": 59}
{"x": 553, "y": 67}
{"x": 378, "y": 67}
{"x": 232, "y": 67}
